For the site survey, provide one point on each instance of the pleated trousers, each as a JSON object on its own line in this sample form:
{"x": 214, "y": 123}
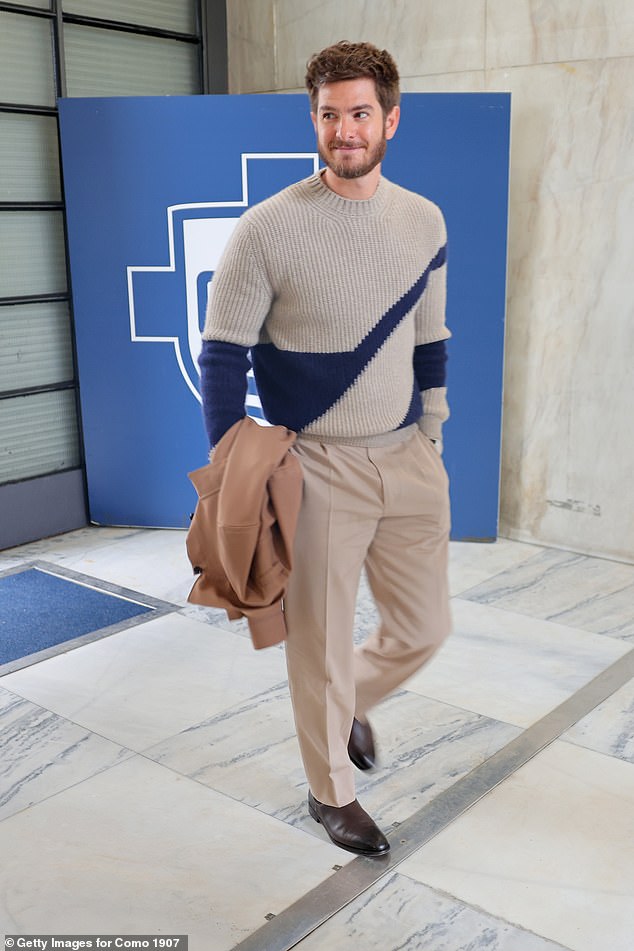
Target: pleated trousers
{"x": 385, "y": 508}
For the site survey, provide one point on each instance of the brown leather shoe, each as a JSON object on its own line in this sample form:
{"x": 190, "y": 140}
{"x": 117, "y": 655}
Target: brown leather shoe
{"x": 361, "y": 745}
{"x": 349, "y": 827}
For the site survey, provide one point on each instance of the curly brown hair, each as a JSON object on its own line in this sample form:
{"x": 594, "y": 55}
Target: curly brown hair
{"x": 346, "y": 60}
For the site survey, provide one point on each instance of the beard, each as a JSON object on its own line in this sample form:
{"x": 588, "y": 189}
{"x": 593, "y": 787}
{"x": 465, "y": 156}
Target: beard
{"x": 349, "y": 170}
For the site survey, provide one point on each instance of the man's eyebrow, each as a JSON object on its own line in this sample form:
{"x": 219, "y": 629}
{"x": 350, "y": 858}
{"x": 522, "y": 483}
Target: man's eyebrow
{"x": 364, "y": 105}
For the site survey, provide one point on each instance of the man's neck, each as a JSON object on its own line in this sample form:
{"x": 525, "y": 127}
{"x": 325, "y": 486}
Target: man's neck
{"x": 357, "y": 189}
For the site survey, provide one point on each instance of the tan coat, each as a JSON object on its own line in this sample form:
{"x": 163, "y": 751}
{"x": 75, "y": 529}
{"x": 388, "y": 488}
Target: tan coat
{"x": 240, "y": 541}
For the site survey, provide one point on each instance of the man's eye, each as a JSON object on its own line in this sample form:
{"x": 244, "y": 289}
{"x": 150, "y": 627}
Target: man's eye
{"x": 362, "y": 115}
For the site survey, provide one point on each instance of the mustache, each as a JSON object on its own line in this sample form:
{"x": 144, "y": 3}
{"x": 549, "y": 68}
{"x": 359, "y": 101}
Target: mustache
{"x": 336, "y": 144}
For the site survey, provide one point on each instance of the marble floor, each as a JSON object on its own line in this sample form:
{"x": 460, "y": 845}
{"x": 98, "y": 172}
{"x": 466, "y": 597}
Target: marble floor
{"x": 150, "y": 781}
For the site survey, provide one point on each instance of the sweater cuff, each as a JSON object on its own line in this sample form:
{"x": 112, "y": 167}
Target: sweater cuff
{"x": 435, "y": 412}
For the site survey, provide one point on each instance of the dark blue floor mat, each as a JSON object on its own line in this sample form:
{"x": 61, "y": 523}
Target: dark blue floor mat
{"x": 40, "y": 610}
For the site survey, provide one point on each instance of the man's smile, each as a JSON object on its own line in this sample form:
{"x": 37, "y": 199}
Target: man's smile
{"x": 347, "y": 147}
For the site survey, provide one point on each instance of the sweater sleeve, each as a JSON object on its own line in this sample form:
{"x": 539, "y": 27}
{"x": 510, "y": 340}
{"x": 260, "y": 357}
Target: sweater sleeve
{"x": 240, "y": 294}
{"x": 430, "y": 311}
{"x": 430, "y": 354}
{"x": 239, "y": 300}
{"x": 223, "y": 386}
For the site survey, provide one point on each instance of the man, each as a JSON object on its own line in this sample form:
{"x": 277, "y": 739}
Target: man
{"x": 336, "y": 288}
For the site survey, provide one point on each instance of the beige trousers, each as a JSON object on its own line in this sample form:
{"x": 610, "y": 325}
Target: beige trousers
{"x": 386, "y": 508}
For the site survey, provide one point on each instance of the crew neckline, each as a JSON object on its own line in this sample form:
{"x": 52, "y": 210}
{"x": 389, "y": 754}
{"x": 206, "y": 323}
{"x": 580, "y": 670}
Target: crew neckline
{"x": 331, "y": 202}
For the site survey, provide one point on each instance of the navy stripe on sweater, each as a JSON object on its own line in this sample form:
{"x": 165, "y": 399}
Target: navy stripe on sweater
{"x": 297, "y": 388}
{"x": 430, "y": 364}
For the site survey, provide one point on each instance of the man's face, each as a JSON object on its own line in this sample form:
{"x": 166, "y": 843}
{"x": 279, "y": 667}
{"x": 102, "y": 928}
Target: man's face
{"x": 351, "y": 129}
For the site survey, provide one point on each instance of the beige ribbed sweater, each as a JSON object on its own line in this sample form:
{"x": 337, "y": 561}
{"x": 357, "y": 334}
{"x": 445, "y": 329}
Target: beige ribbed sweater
{"x": 341, "y": 304}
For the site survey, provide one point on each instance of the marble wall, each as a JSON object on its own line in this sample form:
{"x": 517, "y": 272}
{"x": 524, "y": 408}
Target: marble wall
{"x": 568, "y": 432}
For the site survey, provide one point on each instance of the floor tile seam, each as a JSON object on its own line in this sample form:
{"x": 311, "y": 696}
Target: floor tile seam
{"x": 101, "y": 584}
{"x": 93, "y": 582}
{"x": 13, "y": 570}
{"x": 127, "y": 533}
{"x": 625, "y": 661}
{"x": 245, "y": 635}
{"x": 571, "y": 551}
{"x": 592, "y": 749}
{"x": 91, "y": 547}
{"x": 489, "y": 577}
{"x": 82, "y": 640}
{"x": 64, "y": 718}
{"x": 210, "y": 788}
{"x": 541, "y": 620}
{"x": 261, "y": 813}
{"x": 521, "y": 728}
{"x": 219, "y": 713}
{"x": 519, "y": 565}
{"x": 146, "y": 751}
{"x": 324, "y": 901}
{"x": 67, "y": 719}
{"x": 129, "y": 754}
{"x": 479, "y": 909}
{"x": 619, "y": 587}
{"x": 126, "y": 755}
{"x": 475, "y": 713}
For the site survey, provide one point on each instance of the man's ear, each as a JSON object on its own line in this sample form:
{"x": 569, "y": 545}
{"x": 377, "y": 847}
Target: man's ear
{"x": 391, "y": 121}
{"x": 314, "y": 118}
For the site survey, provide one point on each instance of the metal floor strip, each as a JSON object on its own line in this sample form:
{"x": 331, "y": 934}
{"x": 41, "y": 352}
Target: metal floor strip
{"x": 297, "y": 921}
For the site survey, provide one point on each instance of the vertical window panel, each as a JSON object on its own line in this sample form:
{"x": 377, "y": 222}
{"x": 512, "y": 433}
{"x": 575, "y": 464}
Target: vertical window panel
{"x": 110, "y": 63}
{"x": 33, "y": 259}
{"x": 26, "y": 60}
{"x": 39, "y": 431}
{"x": 177, "y": 15}
{"x": 38, "y": 435}
{"x": 35, "y": 345}
{"x": 29, "y": 158}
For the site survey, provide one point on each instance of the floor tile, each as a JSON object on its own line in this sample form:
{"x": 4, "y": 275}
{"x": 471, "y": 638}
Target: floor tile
{"x": 138, "y": 849}
{"x": 471, "y": 563}
{"x": 550, "y": 849}
{"x": 511, "y": 667}
{"x": 401, "y": 913}
{"x": 217, "y": 617}
{"x": 42, "y": 753}
{"x": 424, "y": 747}
{"x": 582, "y": 592}
{"x": 152, "y": 681}
{"x": 152, "y": 562}
{"x": 250, "y": 753}
{"x": 69, "y": 547}
{"x": 610, "y": 727}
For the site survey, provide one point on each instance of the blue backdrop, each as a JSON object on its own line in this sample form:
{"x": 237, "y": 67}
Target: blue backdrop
{"x": 153, "y": 188}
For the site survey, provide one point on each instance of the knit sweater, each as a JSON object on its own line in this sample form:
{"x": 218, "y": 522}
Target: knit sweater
{"x": 339, "y": 305}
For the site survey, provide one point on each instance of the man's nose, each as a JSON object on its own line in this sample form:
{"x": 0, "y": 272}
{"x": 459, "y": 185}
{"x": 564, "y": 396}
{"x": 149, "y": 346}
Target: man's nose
{"x": 347, "y": 127}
